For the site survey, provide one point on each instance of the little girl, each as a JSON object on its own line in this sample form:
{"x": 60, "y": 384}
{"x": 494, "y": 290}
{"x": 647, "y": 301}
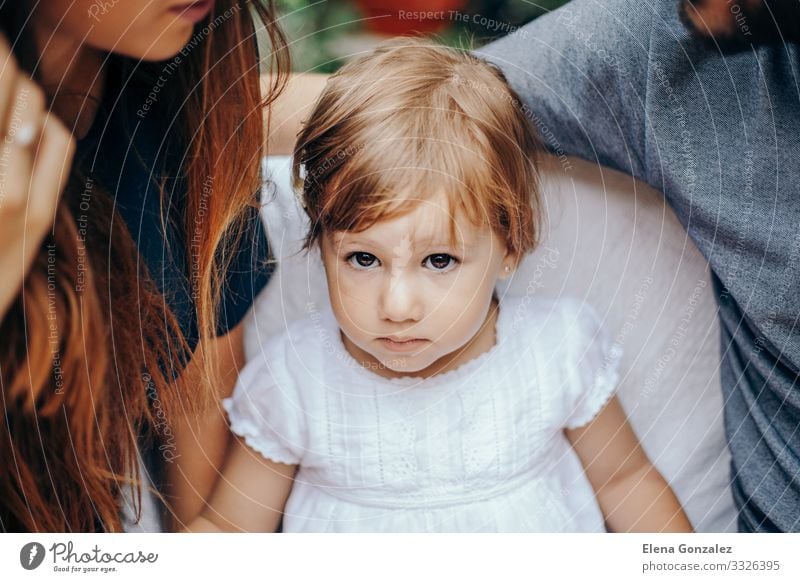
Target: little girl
{"x": 419, "y": 400}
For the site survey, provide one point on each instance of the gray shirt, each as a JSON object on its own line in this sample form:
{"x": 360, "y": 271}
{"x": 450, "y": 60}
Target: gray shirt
{"x": 625, "y": 84}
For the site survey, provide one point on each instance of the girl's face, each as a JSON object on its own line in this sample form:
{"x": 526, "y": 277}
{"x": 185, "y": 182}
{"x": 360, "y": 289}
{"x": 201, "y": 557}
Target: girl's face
{"x": 143, "y": 29}
{"x": 406, "y": 297}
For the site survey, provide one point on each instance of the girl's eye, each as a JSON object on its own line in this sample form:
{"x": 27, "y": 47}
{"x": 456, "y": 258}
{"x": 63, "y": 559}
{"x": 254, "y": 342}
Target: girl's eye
{"x": 440, "y": 262}
{"x": 363, "y": 260}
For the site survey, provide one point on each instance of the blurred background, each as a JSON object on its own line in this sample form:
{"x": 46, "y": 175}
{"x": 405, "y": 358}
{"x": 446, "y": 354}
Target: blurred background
{"x": 323, "y": 33}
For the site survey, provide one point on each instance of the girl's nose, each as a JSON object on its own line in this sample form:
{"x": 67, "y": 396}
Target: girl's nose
{"x": 400, "y": 299}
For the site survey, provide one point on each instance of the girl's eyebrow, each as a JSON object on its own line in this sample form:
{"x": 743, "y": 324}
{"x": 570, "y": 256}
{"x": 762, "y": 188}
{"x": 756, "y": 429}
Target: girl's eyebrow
{"x": 353, "y": 240}
{"x": 441, "y": 240}
{"x": 422, "y": 243}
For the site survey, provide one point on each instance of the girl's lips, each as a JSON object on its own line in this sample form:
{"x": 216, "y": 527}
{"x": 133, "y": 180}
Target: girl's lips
{"x": 193, "y": 11}
{"x": 401, "y": 346}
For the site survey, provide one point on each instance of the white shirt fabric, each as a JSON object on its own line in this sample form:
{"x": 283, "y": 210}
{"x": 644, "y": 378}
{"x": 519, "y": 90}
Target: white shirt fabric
{"x": 478, "y": 449}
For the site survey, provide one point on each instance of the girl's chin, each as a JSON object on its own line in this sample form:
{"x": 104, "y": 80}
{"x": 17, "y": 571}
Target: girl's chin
{"x": 398, "y": 365}
{"x": 408, "y": 366}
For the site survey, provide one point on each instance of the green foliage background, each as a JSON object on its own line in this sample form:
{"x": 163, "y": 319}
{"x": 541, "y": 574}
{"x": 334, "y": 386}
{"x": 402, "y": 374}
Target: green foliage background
{"x": 318, "y": 30}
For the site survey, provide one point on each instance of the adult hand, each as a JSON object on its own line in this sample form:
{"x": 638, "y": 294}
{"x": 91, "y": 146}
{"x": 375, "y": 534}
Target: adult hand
{"x": 35, "y": 160}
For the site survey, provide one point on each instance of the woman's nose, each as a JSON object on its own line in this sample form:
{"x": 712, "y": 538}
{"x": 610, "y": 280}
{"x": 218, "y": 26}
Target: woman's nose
{"x": 400, "y": 299}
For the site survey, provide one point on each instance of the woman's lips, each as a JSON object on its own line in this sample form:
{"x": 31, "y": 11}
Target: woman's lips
{"x": 402, "y": 346}
{"x": 193, "y": 11}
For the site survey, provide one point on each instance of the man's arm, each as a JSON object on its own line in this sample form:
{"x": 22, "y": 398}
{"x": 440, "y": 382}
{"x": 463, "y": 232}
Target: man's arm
{"x": 582, "y": 73}
{"x": 284, "y": 119}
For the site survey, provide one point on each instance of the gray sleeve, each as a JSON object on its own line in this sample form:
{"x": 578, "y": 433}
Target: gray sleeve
{"x": 582, "y": 72}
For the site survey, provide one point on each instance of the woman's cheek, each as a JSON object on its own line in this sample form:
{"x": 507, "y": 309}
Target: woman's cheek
{"x": 141, "y": 43}
{"x": 147, "y": 31}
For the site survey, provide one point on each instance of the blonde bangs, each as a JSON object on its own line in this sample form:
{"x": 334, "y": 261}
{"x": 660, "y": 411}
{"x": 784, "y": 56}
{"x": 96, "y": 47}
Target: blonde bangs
{"x": 391, "y": 180}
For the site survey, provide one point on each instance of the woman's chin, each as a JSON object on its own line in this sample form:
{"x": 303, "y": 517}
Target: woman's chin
{"x": 165, "y": 48}
{"x": 170, "y": 50}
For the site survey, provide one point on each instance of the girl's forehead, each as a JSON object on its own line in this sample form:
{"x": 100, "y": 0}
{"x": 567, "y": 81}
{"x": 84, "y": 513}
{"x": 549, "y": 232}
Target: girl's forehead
{"x": 428, "y": 223}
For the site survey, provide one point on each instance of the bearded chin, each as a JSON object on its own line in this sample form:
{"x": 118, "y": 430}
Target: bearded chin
{"x": 741, "y": 23}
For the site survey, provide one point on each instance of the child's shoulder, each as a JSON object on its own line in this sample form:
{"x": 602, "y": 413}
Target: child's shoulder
{"x": 555, "y": 315}
{"x": 310, "y": 326}
{"x": 299, "y": 341}
{"x": 560, "y": 328}
{"x": 581, "y": 364}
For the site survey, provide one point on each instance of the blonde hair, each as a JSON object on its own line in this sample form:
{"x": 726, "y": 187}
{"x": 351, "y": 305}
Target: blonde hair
{"x": 411, "y": 120}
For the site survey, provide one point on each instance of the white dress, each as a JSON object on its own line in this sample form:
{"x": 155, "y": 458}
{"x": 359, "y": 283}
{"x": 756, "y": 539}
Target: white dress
{"x": 479, "y": 448}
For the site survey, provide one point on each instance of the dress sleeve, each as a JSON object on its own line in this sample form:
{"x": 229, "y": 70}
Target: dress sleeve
{"x": 266, "y": 411}
{"x": 591, "y": 365}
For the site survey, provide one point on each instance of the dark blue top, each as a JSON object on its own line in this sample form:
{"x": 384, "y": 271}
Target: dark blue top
{"x": 129, "y": 156}
{"x": 623, "y": 83}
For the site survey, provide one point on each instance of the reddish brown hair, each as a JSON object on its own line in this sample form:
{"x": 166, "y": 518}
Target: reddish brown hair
{"x": 411, "y": 120}
{"x": 80, "y": 361}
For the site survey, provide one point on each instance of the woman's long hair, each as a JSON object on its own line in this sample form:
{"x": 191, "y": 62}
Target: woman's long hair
{"x": 84, "y": 346}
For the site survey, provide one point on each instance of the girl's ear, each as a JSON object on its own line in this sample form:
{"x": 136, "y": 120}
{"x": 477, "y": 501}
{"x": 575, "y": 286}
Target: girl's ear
{"x": 508, "y": 266}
